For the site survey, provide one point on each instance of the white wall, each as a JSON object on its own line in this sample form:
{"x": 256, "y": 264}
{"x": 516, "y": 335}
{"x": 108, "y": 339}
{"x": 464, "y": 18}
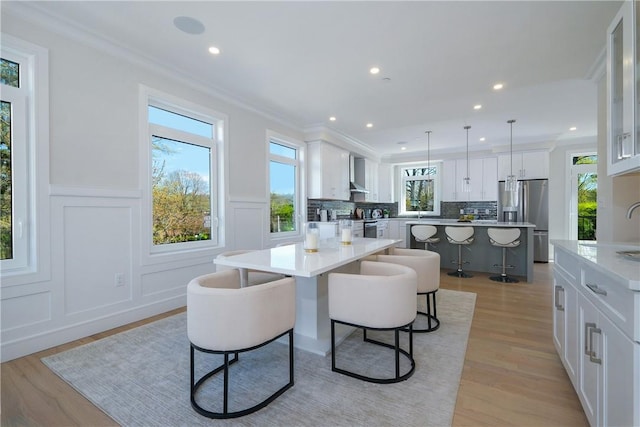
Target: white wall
{"x": 96, "y": 196}
{"x": 559, "y": 191}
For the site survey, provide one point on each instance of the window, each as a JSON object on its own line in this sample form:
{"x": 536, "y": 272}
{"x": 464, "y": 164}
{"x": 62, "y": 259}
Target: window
{"x": 184, "y": 176}
{"x": 584, "y": 192}
{"x": 284, "y": 185}
{"x": 420, "y": 188}
{"x": 24, "y": 208}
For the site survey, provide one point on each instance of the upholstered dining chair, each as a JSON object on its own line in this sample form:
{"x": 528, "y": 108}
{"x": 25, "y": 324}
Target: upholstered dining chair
{"x": 249, "y": 277}
{"x": 382, "y": 297}
{"x": 225, "y": 319}
{"x": 427, "y": 266}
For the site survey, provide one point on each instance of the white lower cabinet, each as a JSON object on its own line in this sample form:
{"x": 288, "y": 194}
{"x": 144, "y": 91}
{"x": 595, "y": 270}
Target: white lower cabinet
{"x": 602, "y": 360}
{"x": 606, "y": 370}
{"x": 565, "y": 318}
{"x": 397, "y": 230}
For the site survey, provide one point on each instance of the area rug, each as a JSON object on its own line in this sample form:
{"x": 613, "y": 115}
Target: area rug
{"x": 141, "y": 377}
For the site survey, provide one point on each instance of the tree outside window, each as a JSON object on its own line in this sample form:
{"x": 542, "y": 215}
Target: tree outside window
{"x": 587, "y": 198}
{"x": 181, "y": 171}
{"x": 420, "y": 185}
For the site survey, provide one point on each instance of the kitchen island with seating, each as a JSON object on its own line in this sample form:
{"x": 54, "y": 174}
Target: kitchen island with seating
{"x": 480, "y": 255}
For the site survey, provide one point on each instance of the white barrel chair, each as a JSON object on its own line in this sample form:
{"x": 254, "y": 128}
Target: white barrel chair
{"x": 504, "y": 238}
{"x": 460, "y": 236}
{"x": 225, "y": 319}
{"x": 425, "y": 234}
{"x": 381, "y": 297}
{"x": 427, "y": 266}
{"x": 248, "y": 277}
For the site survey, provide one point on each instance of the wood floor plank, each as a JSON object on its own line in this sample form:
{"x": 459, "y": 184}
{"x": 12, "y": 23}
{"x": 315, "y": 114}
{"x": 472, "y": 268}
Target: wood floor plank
{"x": 511, "y": 376}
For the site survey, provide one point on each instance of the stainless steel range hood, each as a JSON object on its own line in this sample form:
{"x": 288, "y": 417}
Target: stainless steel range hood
{"x": 357, "y": 188}
{"x": 353, "y": 184}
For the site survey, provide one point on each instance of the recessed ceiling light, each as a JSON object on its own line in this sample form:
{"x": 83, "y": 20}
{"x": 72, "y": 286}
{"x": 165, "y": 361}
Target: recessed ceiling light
{"x": 483, "y": 139}
{"x": 188, "y": 25}
{"x": 498, "y": 86}
{"x": 477, "y": 107}
{"x": 214, "y": 50}
{"x": 369, "y": 125}
{"x": 374, "y": 70}
{"x": 403, "y": 148}
{"x": 332, "y": 118}
{"x": 572, "y": 128}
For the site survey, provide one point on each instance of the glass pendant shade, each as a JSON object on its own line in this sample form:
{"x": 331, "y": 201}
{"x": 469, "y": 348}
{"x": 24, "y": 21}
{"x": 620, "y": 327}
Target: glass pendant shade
{"x": 466, "y": 181}
{"x": 466, "y": 184}
{"x": 511, "y": 186}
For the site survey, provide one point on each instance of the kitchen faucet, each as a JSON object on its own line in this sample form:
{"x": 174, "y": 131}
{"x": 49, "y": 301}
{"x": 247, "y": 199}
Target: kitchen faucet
{"x": 632, "y": 208}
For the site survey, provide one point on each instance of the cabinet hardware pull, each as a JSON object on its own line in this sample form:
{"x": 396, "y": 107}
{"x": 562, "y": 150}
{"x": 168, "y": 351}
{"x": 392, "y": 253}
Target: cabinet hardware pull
{"x": 596, "y": 290}
{"x": 557, "y": 298}
{"x": 592, "y": 355}
{"x": 587, "y": 341}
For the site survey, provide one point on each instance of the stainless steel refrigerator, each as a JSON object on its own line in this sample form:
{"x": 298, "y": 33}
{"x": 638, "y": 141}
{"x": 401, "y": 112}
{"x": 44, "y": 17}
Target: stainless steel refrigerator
{"x": 532, "y": 206}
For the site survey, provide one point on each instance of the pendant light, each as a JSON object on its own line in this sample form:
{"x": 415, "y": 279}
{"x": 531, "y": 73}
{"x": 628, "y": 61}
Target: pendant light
{"x": 512, "y": 182}
{"x": 428, "y": 132}
{"x": 429, "y": 180}
{"x": 466, "y": 181}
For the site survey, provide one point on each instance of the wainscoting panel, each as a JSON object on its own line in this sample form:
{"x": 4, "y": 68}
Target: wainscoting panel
{"x": 248, "y": 227}
{"x": 172, "y": 282}
{"x": 25, "y": 310}
{"x": 97, "y": 261}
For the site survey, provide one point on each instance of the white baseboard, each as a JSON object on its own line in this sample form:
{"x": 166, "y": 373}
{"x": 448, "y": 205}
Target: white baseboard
{"x": 47, "y": 339}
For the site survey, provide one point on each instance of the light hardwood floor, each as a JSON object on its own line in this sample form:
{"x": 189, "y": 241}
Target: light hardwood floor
{"x": 512, "y": 374}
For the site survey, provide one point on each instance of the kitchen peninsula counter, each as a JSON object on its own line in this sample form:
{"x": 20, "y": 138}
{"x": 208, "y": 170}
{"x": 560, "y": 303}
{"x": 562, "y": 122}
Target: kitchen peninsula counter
{"x": 481, "y": 255}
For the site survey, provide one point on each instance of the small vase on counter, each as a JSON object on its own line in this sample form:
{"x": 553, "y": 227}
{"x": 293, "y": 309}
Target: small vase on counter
{"x": 311, "y": 237}
{"x": 346, "y": 231}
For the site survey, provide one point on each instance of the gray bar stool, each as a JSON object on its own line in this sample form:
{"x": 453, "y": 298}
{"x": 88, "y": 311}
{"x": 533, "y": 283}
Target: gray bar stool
{"x": 425, "y": 234}
{"x": 459, "y": 236}
{"x": 504, "y": 238}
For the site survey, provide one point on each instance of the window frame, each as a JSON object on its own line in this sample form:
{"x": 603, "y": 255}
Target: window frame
{"x": 217, "y": 185}
{"x": 437, "y": 187}
{"x": 300, "y": 184}
{"x": 32, "y": 160}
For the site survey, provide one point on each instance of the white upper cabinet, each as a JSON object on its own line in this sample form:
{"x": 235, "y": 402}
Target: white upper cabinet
{"x": 366, "y": 174}
{"x": 483, "y": 175}
{"x": 385, "y": 182}
{"x": 526, "y": 165}
{"x": 328, "y": 171}
{"x": 449, "y": 181}
{"x": 623, "y": 91}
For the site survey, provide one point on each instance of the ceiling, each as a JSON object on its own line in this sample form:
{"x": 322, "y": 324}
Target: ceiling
{"x": 306, "y": 61}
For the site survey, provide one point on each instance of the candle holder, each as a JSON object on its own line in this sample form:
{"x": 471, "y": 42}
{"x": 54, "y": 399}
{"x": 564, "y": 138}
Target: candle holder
{"x": 311, "y": 237}
{"x": 346, "y": 231}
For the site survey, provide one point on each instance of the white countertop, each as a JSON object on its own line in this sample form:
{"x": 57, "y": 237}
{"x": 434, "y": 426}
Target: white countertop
{"x": 292, "y": 259}
{"x": 474, "y": 223}
{"x": 605, "y": 257}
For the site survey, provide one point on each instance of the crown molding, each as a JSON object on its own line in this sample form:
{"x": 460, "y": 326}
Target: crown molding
{"x": 322, "y": 132}
{"x": 598, "y": 69}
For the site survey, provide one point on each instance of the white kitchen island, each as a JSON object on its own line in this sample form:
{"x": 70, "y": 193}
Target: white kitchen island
{"x": 312, "y": 329}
